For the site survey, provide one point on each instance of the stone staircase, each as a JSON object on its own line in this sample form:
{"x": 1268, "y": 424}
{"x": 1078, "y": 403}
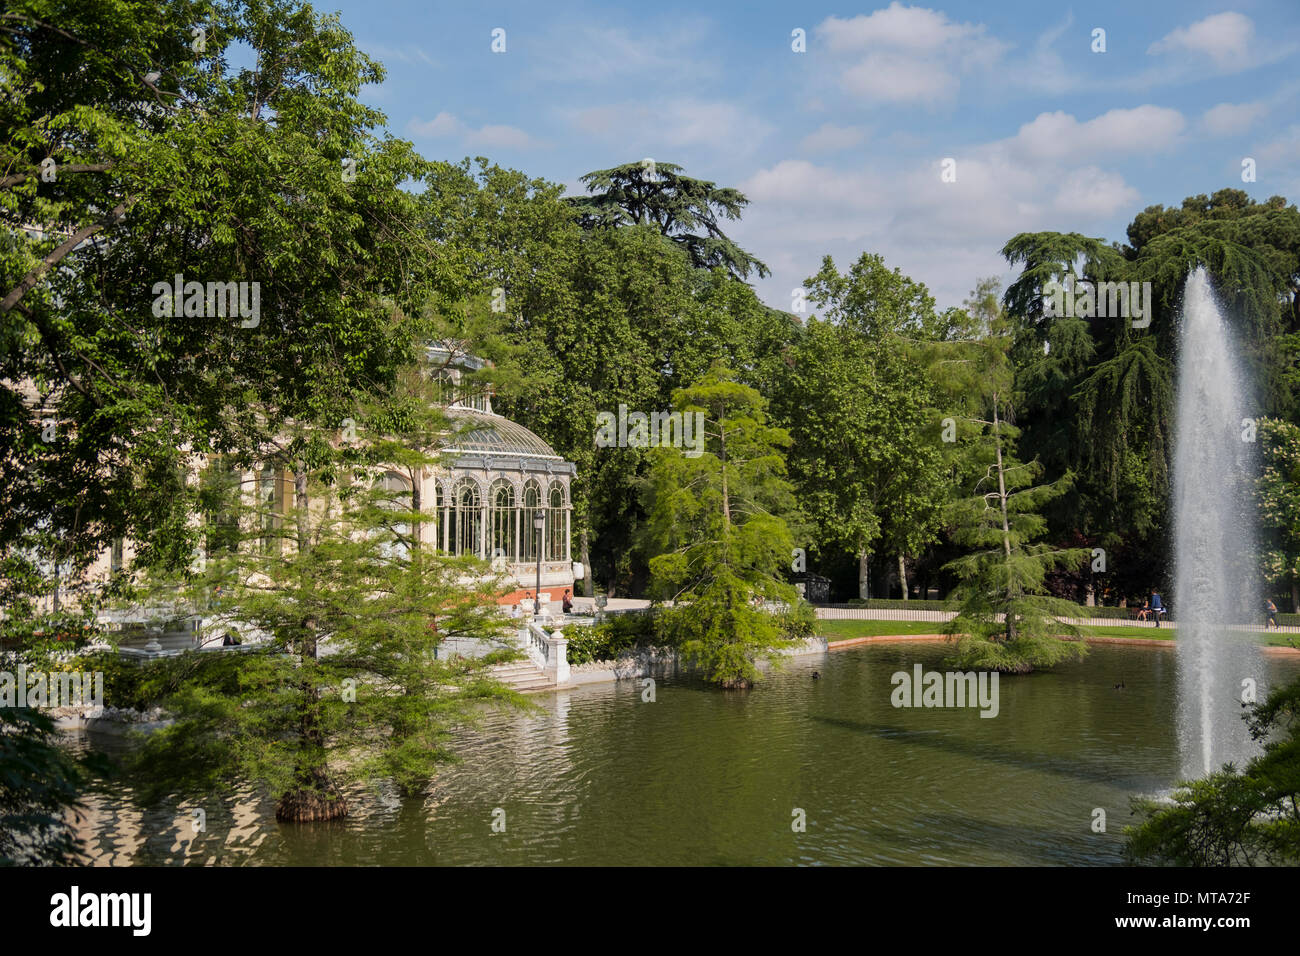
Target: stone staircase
{"x": 523, "y": 676}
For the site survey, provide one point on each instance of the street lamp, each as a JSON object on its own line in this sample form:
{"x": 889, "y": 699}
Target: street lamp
{"x": 539, "y": 522}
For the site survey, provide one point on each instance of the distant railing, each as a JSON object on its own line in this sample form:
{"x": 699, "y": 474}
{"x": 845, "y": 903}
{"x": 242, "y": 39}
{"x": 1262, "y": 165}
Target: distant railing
{"x": 850, "y": 612}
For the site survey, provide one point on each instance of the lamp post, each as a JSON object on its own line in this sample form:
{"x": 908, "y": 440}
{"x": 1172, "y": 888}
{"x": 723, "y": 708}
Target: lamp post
{"x": 539, "y": 522}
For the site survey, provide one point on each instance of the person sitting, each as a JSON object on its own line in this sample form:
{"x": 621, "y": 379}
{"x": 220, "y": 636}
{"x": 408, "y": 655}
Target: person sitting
{"x": 1145, "y": 612}
{"x": 567, "y": 602}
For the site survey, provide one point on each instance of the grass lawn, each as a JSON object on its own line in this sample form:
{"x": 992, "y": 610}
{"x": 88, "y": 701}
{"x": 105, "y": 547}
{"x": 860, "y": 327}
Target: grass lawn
{"x": 843, "y": 630}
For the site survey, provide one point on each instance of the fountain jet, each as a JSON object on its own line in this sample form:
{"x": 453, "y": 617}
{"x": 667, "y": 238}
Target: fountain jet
{"x": 1214, "y": 553}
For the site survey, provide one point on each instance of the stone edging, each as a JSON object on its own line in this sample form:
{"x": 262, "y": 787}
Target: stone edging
{"x": 1130, "y": 641}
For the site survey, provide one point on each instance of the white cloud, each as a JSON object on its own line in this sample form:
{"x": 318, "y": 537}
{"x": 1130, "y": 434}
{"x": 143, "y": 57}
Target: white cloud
{"x": 507, "y": 137}
{"x": 1093, "y": 193}
{"x": 1282, "y": 152}
{"x": 1225, "y": 38}
{"x": 492, "y": 136}
{"x": 829, "y": 138}
{"x": 1058, "y": 135}
{"x": 1050, "y": 175}
{"x": 914, "y": 29}
{"x": 1229, "y": 119}
{"x": 444, "y": 124}
{"x": 586, "y": 53}
{"x": 654, "y": 123}
{"x": 907, "y": 54}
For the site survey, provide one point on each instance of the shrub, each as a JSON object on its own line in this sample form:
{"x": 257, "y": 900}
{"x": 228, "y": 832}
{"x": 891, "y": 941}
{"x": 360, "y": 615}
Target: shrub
{"x": 606, "y": 640}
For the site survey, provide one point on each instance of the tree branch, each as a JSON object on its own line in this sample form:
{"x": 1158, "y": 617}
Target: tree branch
{"x": 53, "y": 259}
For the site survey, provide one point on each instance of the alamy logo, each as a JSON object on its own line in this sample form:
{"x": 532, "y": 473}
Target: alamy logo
{"x": 215, "y": 300}
{"x": 103, "y": 909}
{"x": 41, "y": 689}
{"x": 1086, "y": 300}
{"x": 658, "y": 429}
{"x": 950, "y": 689}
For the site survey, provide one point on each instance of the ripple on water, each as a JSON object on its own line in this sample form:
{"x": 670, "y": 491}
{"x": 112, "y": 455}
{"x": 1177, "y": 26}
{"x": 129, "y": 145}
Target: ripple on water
{"x": 705, "y": 777}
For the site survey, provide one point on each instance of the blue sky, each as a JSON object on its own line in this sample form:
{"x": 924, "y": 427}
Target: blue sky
{"x": 840, "y": 148}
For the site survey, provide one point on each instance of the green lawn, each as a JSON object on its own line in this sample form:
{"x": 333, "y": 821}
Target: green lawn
{"x": 843, "y": 630}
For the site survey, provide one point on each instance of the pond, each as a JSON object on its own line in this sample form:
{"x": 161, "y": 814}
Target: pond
{"x": 600, "y": 776}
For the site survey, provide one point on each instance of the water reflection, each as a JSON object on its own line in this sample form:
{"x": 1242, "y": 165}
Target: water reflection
{"x": 597, "y": 775}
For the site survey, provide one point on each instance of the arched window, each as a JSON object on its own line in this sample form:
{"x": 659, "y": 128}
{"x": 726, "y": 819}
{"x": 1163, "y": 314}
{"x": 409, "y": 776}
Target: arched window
{"x": 395, "y": 495}
{"x": 268, "y": 505}
{"x": 469, "y": 518}
{"x": 556, "y": 525}
{"x": 502, "y": 542}
{"x": 531, "y": 502}
{"x": 439, "y": 517}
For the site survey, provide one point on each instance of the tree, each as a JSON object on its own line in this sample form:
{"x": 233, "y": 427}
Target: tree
{"x": 1278, "y": 495}
{"x": 683, "y": 209}
{"x": 717, "y": 531}
{"x": 1005, "y": 621}
{"x": 348, "y": 684}
{"x": 166, "y": 161}
{"x": 864, "y": 456}
{"x": 40, "y": 787}
{"x": 1234, "y": 817}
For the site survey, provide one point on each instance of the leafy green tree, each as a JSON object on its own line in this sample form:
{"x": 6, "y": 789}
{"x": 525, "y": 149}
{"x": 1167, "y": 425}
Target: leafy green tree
{"x": 683, "y": 209}
{"x": 867, "y": 459}
{"x": 1234, "y": 817}
{"x": 874, "y": 299}
{"x": 1278, "y": 494}
{"x": 716, "y": 524}
{"x": 865, "y": 456}
{"x": 168, "y": 161}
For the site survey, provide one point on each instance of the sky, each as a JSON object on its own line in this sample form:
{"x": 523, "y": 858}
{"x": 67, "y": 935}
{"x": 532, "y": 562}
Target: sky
{"x": 842, "y": 148}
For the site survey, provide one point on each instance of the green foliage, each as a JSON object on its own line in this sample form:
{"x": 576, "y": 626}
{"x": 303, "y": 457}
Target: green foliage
{"x": 1278, "y": 496}
{"x": 717, "y": 532}
{"x": 1006, "y": 621}
{"x": 171, "y": 161}
{"x": 348, "y": 609}
{"x": 1234, "y": 817}
{"x": 40, "y": 786}
{"x": 866, "y": 458}
{"x": 606, "y": 640}
{"x": 683, "y": 209}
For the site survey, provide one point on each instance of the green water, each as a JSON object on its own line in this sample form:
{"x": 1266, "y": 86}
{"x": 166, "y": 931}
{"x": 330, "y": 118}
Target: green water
{"x": 702, "y": 776}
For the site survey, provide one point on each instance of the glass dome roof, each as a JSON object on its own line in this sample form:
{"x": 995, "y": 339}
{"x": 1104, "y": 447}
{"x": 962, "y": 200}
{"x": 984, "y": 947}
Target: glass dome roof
{"x": 486, "y": 433}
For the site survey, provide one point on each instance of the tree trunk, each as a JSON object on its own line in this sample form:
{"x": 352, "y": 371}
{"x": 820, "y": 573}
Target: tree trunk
{"x": 722, "y": 459}
{"x": 314, "y": 796}
{"x": 1295, "y": 596}
{"x": 1006, "y": 527}
{"x": 864, "y": 575}
{"x": 588, "y": 582}
{"x": 902, "y": 574}
{"x": 417, "y": 505}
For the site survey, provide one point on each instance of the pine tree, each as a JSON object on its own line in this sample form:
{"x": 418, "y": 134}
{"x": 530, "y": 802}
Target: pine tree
{"x": 1006, "y": 621}
{"x": 716, "y": 523}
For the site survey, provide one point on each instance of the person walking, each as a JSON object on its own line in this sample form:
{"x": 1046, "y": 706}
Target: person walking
{"x": 1157, "y": 608}
{"x": 1272, "y": 614}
